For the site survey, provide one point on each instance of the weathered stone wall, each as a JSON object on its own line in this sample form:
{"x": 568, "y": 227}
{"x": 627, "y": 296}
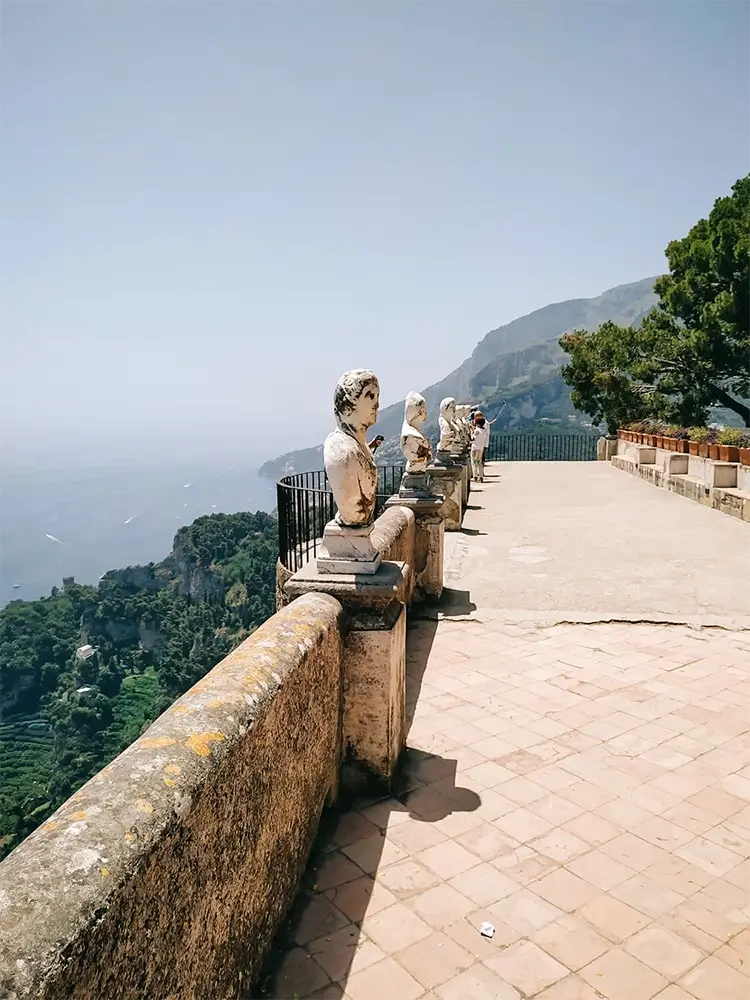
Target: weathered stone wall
{"x": 394, "y": 536}
{"x": 167, "y": 875}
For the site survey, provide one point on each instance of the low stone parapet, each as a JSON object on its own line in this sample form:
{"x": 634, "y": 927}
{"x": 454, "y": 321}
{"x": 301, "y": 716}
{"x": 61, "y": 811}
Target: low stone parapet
{"x": 168, "y": 873}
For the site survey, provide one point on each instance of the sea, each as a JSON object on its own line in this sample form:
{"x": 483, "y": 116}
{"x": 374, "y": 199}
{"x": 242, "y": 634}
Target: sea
{"x": 82, "y": 520}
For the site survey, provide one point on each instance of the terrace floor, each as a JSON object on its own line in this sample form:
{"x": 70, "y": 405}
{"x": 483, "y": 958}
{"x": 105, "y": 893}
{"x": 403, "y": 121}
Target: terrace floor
{"x": 577, "y": 772}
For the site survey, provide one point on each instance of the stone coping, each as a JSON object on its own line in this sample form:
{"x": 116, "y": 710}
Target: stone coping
{"x": 197, "y": 833}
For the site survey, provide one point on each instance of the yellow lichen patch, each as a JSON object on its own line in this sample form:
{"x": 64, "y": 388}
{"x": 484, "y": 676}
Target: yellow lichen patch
{"x": 143, "y": 806}
{"x": 201, "y": 742}
{"x": 180, "y": 709}
{"x": 130, "y": 837}
{"x": 51, "y": 825}
{"x": 216, "y": 703}
{"x": 173, "y": 769}
{"x": 170, "y": 782}
{"x": 154, "y": 742}
{"x": 78, "y": 815}
{"x": 104, "y": 872}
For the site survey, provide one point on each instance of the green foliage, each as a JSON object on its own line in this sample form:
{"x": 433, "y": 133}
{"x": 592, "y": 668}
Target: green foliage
{"x": 692, "y": 351}
{"x": 157, "y": 629}
{"x": 734, "y": 436}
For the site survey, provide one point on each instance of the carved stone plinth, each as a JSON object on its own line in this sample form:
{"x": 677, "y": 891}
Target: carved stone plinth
{"x": 374, "y": 668}
{"x": 348, "y": 550}
{"x": 416, "y": 486}
{"x": 428, "y": 544}
{"x": 448, "y": 480}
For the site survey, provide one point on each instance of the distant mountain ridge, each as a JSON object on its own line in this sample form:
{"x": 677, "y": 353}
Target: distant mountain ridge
{"x": 514, "y": 364}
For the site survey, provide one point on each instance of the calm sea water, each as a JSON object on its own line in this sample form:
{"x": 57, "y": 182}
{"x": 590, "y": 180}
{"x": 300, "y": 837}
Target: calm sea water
{"x": 105, "y": 518}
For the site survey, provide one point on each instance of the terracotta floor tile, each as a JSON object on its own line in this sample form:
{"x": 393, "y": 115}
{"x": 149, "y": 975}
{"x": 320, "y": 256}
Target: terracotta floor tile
{"x": 448, "y": 859}
{"x": 571, "y": 942}
{"x": 570, "y": 988}
{"x": 613, "y": 919}
{"x": 714, "y": 980}
{"x": 663, "y": 951}
{"x": 363, "y": 895}
{"x": 691, "y": 817}
{"x": 373, "y": 853}
{"x": 416, "y": 835}
{"x": 407, "y": 878}
{"x": 632, "y": 851}
{"x": 344, "y": 953}
{"x": 528, "y": 968}
{"x": 298, "y": 975}
{"x": 484, "y": 884}
{"x": 673, "y": 992}
{"x": 709, "y": 856}
{"x": 335, "y": 869}
{"x": 737, "y": 958}
{"x": 490, "y": 774}
{"x": 441, "y": 905}
{"x": 717, "y": 802}
{"x": 524, "y": 865}
{"x": 647, "y": 895}
{"x": 395, "y": 928}
{"x": 619, "y": 976}
{"x": 487, "y": 842}
{"x": 384, "y": 979}
{"x": 560, "y": 844}
{"x": 318, "y": 917}
{"x": 351, "y": 827}
{"x": 435, "y": 959}
{"x": 477, "y": 983}
{"x": 523, "y": 825}
{"x": 525, "y": 912}
{"x": 564, "y": 889}
{"x": 593, "y": 829}
{"x": 599, "y": 869}
{"x": 523, "y": 791}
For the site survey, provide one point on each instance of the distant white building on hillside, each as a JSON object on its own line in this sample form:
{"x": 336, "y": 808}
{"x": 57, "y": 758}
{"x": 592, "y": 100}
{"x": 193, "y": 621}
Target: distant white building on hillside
{"x": 84, "y": 652}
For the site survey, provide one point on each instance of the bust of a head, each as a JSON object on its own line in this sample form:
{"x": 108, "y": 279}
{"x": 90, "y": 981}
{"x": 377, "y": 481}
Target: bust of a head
{"x": 415, "y": 410}
{"x": 414, "y": 445}
{"x": 347, "y": 459}
{"x": 355, "y": 401}
{"x": 446, "y": 423}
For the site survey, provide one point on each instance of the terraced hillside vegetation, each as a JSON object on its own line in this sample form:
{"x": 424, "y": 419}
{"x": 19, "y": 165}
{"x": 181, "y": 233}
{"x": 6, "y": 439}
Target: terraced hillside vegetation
{"x": 156, "y": 630}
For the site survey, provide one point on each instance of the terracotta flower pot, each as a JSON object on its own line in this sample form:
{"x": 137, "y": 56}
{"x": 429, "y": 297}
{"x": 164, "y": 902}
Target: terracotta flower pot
{"x": 659, "y": 441}
{"x": 651, "y": 440}
{"x": 670, "y": 443}
{"x": 745, "y": 456}
{"x": 703, "y": 449}
{"x": 682, "y": 446}
{"x": 729, "y": 453}
{"x": 693, "y": 447}
{"x": 713, "y": 452}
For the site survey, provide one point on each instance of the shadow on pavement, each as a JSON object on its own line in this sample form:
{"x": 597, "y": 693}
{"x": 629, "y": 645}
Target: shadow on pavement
{"x": 313, "y": 954}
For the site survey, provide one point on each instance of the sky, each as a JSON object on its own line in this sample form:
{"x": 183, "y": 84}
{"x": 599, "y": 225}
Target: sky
{"x": 208, "y": 211}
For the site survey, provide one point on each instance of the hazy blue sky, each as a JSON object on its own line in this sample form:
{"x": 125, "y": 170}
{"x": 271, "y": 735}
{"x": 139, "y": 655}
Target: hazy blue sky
{"x": 210, "y": 210}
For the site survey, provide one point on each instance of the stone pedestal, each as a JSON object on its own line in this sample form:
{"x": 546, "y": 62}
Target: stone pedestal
{"x": 428, "y": 544}
{"x": 374, "y": 668}
{"x": 448, "y": 480}
{"x": 348, "y": 550}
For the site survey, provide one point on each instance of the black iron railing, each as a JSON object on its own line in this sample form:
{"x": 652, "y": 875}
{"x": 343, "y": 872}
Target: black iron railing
{"x": 512, "y": 446}
{"x": 305, "y": 504}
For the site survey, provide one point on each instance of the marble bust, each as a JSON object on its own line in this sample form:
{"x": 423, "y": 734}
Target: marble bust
{"x": 446, "y": 425}
{"x": 416, "y": 484}
{"x": 352, "y": 476}
{"x": 414, "y": 445}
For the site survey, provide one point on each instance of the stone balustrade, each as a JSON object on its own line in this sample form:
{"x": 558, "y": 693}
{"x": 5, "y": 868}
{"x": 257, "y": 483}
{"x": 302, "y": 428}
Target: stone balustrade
{"x": 725, "y": 486}
{"x": 169, "y": 873}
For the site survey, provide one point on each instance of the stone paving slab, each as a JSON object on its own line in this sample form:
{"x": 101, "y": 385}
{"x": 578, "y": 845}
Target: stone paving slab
{"x": 579, "y": 779}
{"x": 586, "y": 789}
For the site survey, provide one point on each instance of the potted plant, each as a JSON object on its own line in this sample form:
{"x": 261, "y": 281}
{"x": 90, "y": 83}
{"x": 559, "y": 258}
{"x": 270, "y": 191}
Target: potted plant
{"x": 694, "y": 435}
{"x": 682, "y": 441}
{"x": 729, "y": 441}
{"x": 713, "y": 445}
{"x": 744, "y": 448}
{"x": 700, "y": 436}
{"x": 670, "y": 437}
